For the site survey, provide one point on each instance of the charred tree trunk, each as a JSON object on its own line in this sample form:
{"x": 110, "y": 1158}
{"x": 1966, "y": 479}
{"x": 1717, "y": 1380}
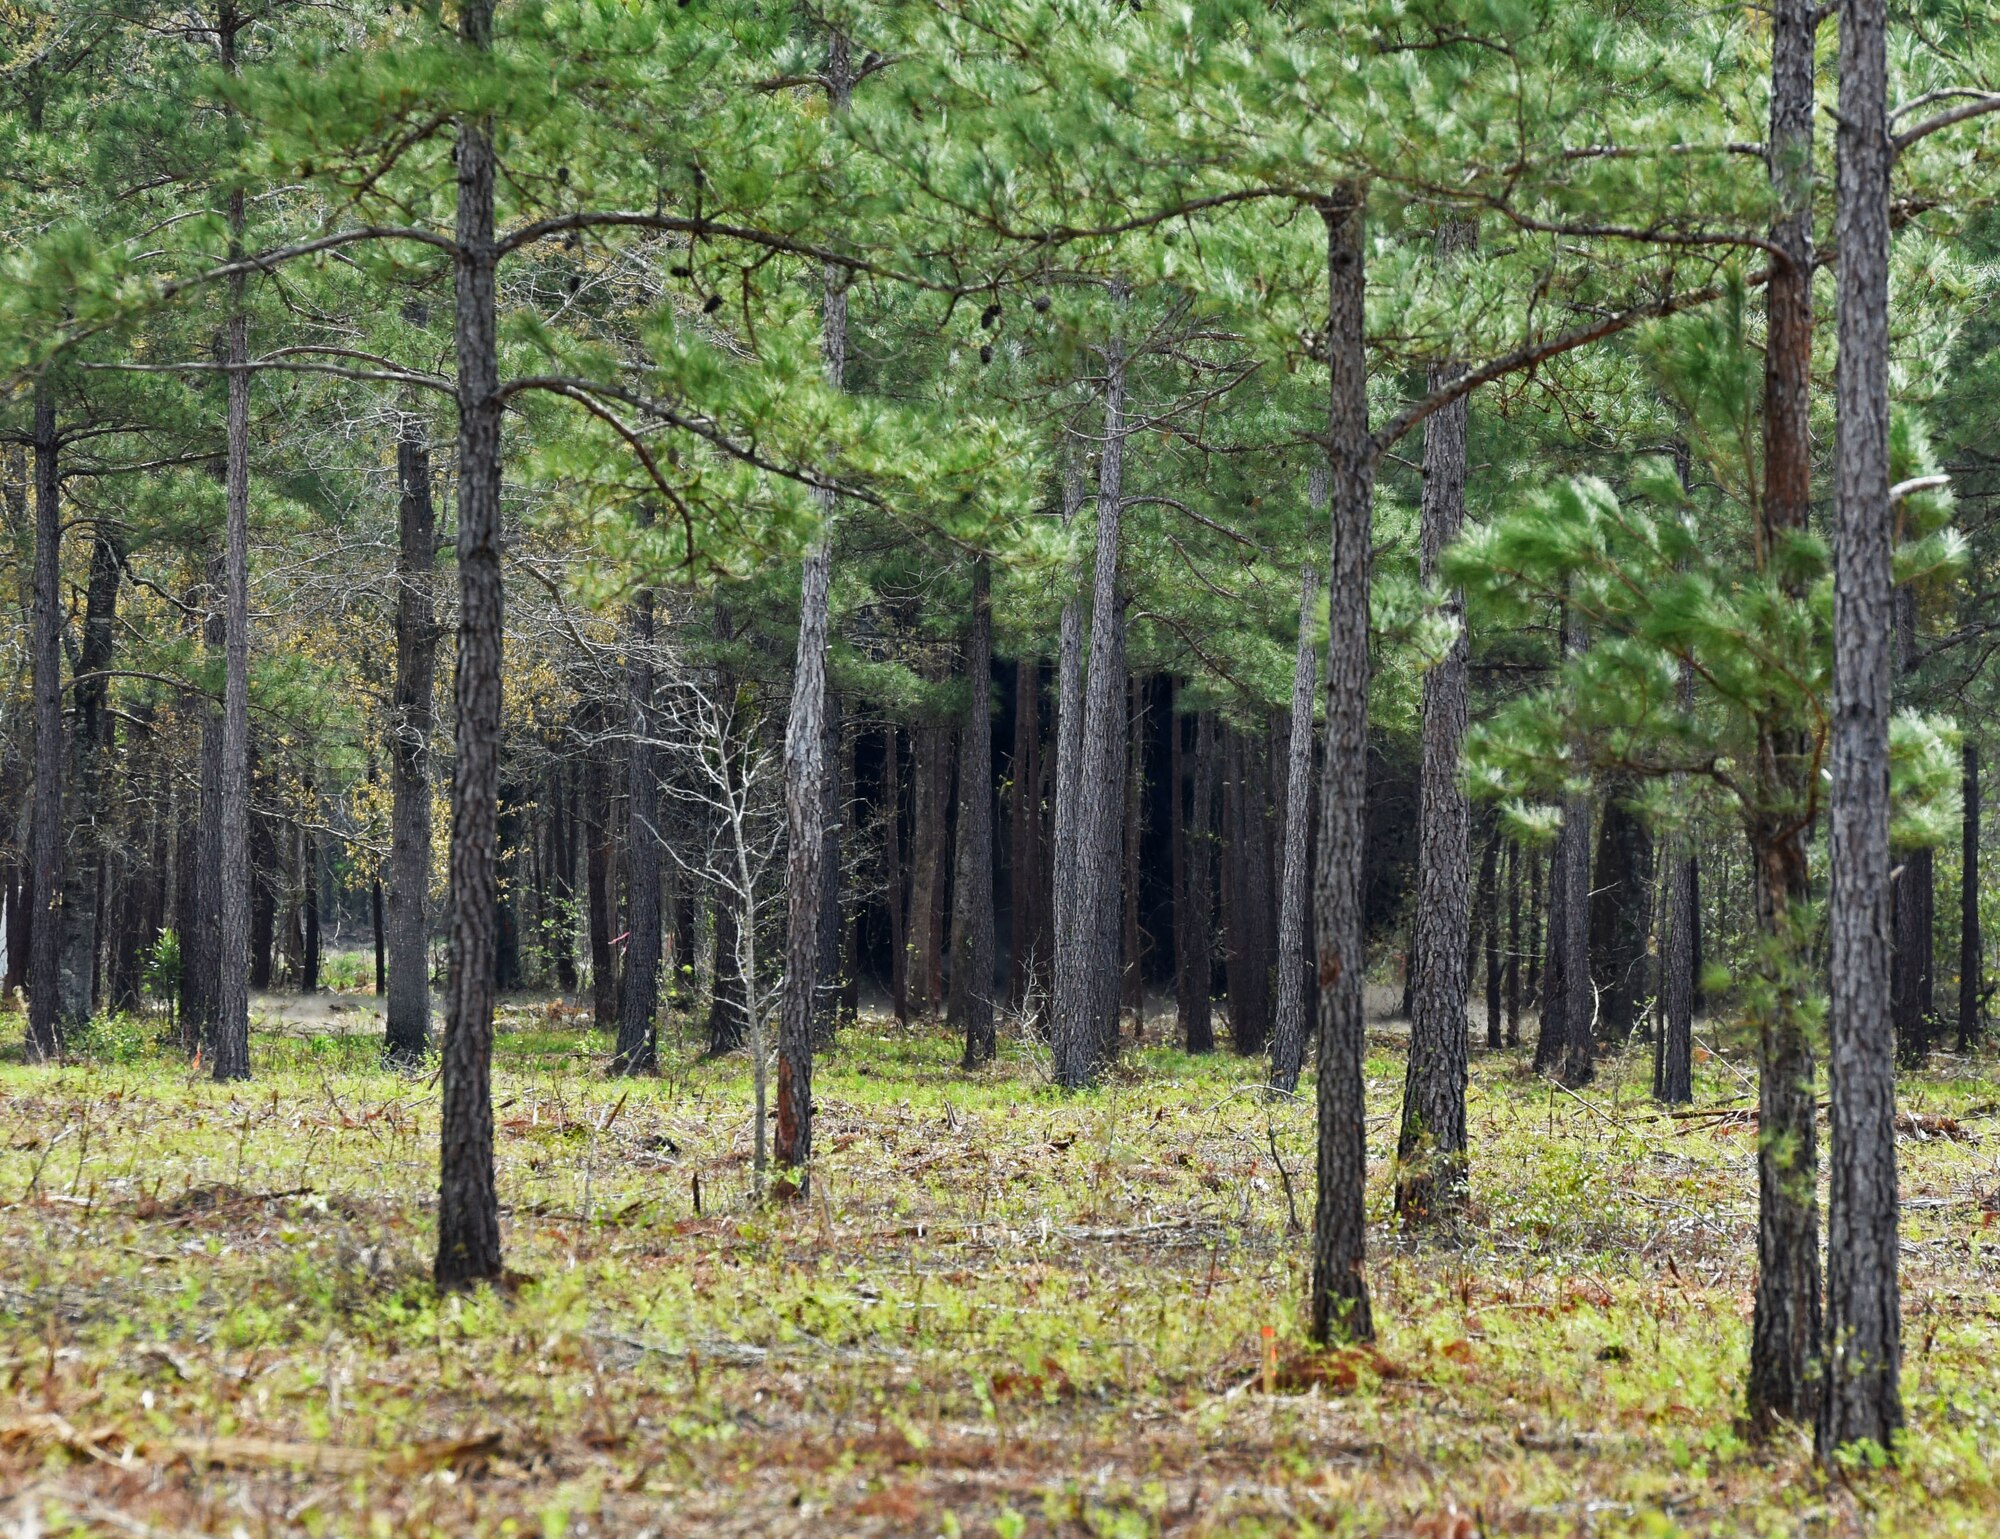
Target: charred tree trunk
{"x": 1339, "y": 1306}
{"x": 468, "y": 1244}
{"x": 408, "y": 1019}
{"x": 1288, "y": 1026}
{"x": 971, "y": 1009}
{"x": 1862, "y": 1401}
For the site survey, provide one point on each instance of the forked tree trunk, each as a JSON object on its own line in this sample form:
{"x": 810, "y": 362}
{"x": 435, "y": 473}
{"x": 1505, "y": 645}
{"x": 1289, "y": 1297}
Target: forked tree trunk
{"x": 408, "y": 1029}
{"x": 1339, "y": 1307}
{"x": 468, "y": 1249}
{"x": 1288, "y": 1025}
{"x": 971, "y": 1008}
{"x": 1862, "y": 1360}
{"x": 1431, "y": 1146}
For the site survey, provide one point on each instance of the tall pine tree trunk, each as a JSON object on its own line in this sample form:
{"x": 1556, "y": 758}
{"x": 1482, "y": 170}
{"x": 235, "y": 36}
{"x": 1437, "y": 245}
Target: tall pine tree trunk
{"x": 1620, "y": 914}
{"x": 408, "y": 1027}
{"x": 1785, "y": 1328}
{"x": 1198, "y": 1025}
{"x": 806, "y": 766}
{"x": 894, "y": 882}
{"x": 971, "y": 1008}
{"x": 1132, "y": 979}
{"x": 1339, "y": 1307}
{"x": 468, "y": 1247}
{"x": 1862, "y": 1363}
{"x": 89, "y": 844}
{"x": 45, "y": 840}
{"x": 1489, "y": 925}
{"x": 929, "y": 824}
{"x": 1025, "y": 835}
{"x": 637, "y": 1050}
{"x": 1513, "y": 943}
{"x": 1970, "y": 966}
{"x": 1084, "y": 1018}
{"x": 1431, "y": 1146}
{"x": 1288, "y": 1026}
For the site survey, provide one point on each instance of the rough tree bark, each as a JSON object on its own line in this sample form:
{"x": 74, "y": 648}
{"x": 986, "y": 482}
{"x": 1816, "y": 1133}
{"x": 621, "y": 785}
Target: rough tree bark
{"x": 407, "y": 1036}
{"x": 637, "y": 1049}
{"x": 1084, "y": 1017}
{"x": 1339, "y": 1306}
{"x": 1862, "y": 1399}
{"x": 468, "y": 1248}
{"x": 1784, "y": 1333}
{"x": 1288, "y": 1026}
{"x": 1431, "y": 1145}
{"x": 971, "y": 1007}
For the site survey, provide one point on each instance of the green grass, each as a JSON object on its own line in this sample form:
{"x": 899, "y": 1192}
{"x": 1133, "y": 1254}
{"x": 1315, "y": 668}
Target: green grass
{"x": 1003, "y": 1311}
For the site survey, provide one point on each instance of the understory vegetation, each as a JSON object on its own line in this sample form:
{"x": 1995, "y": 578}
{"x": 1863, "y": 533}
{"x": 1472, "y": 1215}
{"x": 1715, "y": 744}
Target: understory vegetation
{"x": 1004, "y": 1311}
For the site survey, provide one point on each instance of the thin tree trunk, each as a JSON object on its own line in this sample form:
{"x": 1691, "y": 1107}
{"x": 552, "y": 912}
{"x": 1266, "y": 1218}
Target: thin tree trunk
{"x": 1247, "y": 899}
{"x": 1513, "y": 943}
{"x": 45, "y": 1023}
{"x": 971, "y": 1008}
{"x": 1198, "y": 1026}
{"x": 1970, "y": 965}
{"x": 468, "y": 1248}
{"x": 1489, "y": 924}
{"x": 637, "y": 1050}
{"x": 1132, "y": 971}
{"x": 1177, "y": 863}
{"x": 1288, "y": 1028}
{"x": 408, "y": 1024}
{"x": 1673, "y": 1080}
{"x": 1431, "y": 1146}
{"x": 1862, "y": 1365}
{"x": 1024, "y": 830}
{"x": 1912, "y": 899}
{"x": 829, "y": 986}
{"x": 1339, "y": 1306}
{"x": 1069, "y": 759}
{"x": 89, "y": 844}
{"x": 930, "y": 791}
{"x": 1552, "y": 1036}
{"x": 600, "y": 892}
{"x": 893, "y": 880}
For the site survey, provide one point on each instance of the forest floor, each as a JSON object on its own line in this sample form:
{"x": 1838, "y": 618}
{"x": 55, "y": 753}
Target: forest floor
{"x": 1002, "y": 1311}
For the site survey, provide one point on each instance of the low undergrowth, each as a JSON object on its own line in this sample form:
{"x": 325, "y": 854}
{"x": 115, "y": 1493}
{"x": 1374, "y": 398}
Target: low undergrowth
{"x": 1002, "y": 1311}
